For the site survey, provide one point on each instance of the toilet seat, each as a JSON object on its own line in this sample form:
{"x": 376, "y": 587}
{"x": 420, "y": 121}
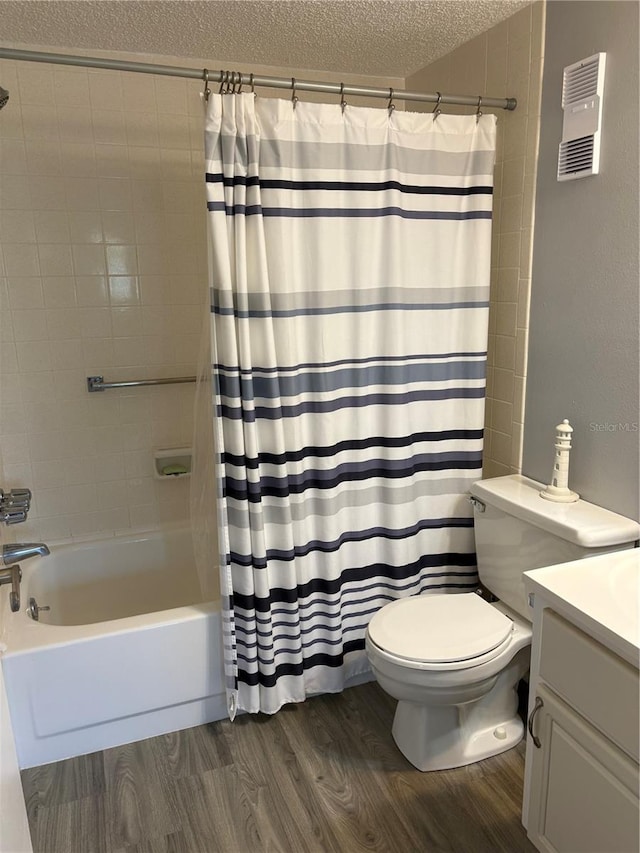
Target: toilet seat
{"x": 441, "y": 631}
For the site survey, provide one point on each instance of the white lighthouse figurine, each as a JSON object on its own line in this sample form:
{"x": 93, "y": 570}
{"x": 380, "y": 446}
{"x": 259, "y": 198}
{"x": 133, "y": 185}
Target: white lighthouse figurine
{"x": 558, "y": 490}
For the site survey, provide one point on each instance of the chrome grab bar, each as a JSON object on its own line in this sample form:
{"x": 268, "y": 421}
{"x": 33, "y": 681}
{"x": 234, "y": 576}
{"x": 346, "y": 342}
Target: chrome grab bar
{"x": 97, "y": 383}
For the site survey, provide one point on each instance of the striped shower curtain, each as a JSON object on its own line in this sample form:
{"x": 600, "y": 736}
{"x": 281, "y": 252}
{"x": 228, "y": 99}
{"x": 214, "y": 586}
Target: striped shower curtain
{"x": 349, "y": 305}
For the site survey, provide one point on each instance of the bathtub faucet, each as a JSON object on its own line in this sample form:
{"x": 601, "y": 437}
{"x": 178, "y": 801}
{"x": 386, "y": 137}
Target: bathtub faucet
{"x": 14, "y": 553}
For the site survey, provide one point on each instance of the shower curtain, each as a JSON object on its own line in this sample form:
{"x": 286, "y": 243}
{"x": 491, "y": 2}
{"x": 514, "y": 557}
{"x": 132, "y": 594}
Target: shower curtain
{"x": 350, "y": 254}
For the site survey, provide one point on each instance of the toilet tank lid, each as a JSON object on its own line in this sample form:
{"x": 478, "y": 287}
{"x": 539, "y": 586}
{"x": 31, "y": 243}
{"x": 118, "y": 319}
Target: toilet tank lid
{"x": 581, "y": 523}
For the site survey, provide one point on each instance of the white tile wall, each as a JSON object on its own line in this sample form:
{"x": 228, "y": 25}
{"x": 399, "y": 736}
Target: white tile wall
{"x": 102, "y": 271}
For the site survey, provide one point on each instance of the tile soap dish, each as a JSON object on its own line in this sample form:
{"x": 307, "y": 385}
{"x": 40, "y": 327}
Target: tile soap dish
{"x": 172, "y": 463}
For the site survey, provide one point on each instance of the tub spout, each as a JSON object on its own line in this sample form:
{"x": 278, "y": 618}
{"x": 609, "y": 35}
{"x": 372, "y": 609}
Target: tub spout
{"x": 13, "y": 553}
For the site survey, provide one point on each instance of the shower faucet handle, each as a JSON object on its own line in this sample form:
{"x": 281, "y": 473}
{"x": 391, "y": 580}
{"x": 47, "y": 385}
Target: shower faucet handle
{"x": 13, "y": 516}
{"x": 9, "y": 502}
{"x": 15, "y": 495}
{"x": 14, "y": 505}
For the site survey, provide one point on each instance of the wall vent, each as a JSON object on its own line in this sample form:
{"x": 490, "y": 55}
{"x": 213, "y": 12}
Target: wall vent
{"x": 582, "y": 91}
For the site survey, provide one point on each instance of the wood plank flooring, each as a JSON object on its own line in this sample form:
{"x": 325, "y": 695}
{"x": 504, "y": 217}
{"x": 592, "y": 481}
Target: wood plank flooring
{"x": 324, "y": 777}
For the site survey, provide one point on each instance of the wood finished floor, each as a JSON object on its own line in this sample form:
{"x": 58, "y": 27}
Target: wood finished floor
{"x": 321, "y": 776}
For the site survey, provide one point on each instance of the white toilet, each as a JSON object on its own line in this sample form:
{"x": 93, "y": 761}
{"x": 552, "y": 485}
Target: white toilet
{"x": 454, "y": 662}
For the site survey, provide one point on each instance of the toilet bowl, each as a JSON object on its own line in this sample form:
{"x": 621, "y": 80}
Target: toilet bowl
{"x": 454, "y": 661}
{"x": 456, "y": 689}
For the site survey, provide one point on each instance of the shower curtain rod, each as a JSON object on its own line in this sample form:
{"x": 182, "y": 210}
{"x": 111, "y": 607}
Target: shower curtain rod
{"x": 237, "y": 78}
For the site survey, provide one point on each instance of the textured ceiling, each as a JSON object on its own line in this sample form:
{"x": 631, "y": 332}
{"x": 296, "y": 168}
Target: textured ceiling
{"x": 376, "y": 37}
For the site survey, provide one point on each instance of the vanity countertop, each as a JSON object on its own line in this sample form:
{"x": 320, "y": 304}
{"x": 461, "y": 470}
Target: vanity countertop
{"x": 601, "y": 595}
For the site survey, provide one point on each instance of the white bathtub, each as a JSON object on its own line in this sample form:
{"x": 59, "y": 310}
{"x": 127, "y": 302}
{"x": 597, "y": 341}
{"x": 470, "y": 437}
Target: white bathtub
{"x": 128, "y": 650}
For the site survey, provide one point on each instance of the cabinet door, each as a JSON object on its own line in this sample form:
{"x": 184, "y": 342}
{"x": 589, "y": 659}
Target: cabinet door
{"x": 584, "y": 790}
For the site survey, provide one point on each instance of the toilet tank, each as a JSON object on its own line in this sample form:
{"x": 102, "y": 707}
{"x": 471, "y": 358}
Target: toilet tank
{"x": 516, "y": 530}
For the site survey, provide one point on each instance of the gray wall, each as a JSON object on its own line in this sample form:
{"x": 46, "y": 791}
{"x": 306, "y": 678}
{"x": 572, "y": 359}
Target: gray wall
{"x": 583, "y": 341}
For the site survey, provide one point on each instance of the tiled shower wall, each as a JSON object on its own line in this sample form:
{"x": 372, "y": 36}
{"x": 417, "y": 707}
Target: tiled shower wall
{"x": 102, "y": 272}
{"x": 506, "y": 61}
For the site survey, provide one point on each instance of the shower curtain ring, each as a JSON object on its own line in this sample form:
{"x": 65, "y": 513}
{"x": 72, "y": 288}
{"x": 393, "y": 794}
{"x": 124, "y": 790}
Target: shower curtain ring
{"x": 239, "y": 92}
{"x": 343, "y": 103}
{"x": 294, "y": 97}
{"x": 436, "y": 109}
{"x": 207, "y": 90}
{"x": 224, "y": 75}
{"x": 479, "y": 111}
{"x": 391, "y": 106}
{"x": 252, "y": 84}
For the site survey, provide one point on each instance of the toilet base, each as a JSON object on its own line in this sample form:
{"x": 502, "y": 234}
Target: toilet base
{"x": 440, "y": 737}
{"x": 452, "y": 748}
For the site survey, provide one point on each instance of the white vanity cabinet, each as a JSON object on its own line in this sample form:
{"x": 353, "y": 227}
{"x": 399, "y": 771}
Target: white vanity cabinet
{"x": 581, "y": 774}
